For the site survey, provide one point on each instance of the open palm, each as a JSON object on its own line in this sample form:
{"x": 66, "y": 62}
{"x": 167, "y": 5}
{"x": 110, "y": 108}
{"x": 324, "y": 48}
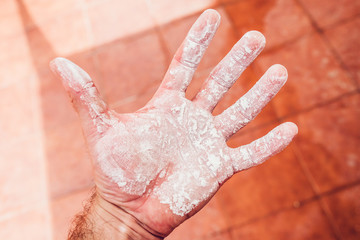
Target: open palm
{"x": 164, "y": 162}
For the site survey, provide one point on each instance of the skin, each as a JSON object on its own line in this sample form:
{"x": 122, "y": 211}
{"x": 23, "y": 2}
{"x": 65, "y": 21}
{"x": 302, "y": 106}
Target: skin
{"x": 163, "y": 163}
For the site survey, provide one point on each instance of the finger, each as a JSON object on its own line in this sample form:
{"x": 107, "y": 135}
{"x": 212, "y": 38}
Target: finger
{"x": 229, "y": 69}
{"x": 261, "y": 149}
{"x": 249, "y": 105}
{"x": 189, "y": 54}
{"x": 83, "y": 93}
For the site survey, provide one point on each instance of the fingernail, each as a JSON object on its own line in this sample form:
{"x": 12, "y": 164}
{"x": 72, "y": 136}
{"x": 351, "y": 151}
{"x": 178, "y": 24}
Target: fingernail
{"x": 71, "y": 74}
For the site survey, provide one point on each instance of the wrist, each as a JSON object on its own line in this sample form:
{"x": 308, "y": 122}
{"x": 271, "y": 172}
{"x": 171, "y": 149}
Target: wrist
{"x": 104, "y": 220}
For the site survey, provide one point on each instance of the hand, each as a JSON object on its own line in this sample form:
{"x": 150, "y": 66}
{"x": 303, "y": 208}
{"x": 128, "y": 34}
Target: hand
{"x": 164, "y": 162}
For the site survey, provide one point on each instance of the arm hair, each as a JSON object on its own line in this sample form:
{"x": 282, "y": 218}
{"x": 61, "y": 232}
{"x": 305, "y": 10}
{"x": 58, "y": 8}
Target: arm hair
{"x": 81, "y": 228}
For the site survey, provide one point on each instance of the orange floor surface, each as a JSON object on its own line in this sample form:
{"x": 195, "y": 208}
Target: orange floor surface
{"x": 309, "y": 191}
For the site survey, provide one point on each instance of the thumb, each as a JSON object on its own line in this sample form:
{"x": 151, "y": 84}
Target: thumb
{"x": 85, "y": 98}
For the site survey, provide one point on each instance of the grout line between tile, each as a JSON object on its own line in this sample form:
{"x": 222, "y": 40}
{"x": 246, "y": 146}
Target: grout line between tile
{"x": 223, "y": 231}
{"x": 306, "y": 170}
{"x": 33, "y": 24}
{"x": 315, "y": 188}
{"x": 164, "y": 46}
{"x": 271, "y": 49}
{"x": 302, "y": 204}
{"x": 340, "y": 22}
{"x": 339, "y": 189}
{"x": 327, "y": 42}
{"x": 286, "y": 43}
{"x": 15, "y": 212}
{"x": 321, "y": 104}
{"x": 339, "y": 59}
{"x": 88, "y": 188}
{"x": 270, "y": 214}
{"x": 126, "y": 38}
{"x": 231, "y": 21}
{"x": 326, "y": 210}
{"x": 231, "y": 2}
{"x": 87, "y": 22}
{"x": 334, "y": 227}
{"x": 194, "y": 14}
{"x": 318, "y": 196}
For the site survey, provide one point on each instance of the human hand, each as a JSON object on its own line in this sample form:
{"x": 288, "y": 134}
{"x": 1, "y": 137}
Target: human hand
{"x": 163, "y": 163}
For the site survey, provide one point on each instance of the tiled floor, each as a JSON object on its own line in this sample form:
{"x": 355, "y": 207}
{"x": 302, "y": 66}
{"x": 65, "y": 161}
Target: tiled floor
{"x": 309, "y": 191}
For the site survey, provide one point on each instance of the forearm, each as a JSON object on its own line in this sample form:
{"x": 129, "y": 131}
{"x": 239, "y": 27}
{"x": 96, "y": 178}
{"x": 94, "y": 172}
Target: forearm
{"x": 103, "y": 220}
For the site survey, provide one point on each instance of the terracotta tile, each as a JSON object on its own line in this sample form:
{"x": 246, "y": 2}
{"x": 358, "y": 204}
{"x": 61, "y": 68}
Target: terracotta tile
{"x": 33, "y": 224}
{"x": 17, "y": 111}
{"x": 57, "y": 109}
{"x": 112, "y": 19}
{"x": 345, "y": 210}
{"x": 344, "y": 38}
{"x": 69, "y": 165}
{"x": 63, "y": 211}
{"x": 278, "y": 20}
{"x": 44, "y": 11}
{"x": 220, "y": 236}
{"x": 53, "y": 39}
{"x": 129, "y": 67}
{"x": 276, "y": 184}
{"x": 134, "y": 103}
{"x": 307, "y": 222}
{"x": 22, "y": 176}
{"x": 175, "y": 32}
{"x": 229, "y": 1}
{"x": 314, "y": 75}
{"x": 41, "y": 51}
{"x": 216, "y": 236}
{"x": 15, "y": 64}
{"x": 88, "y": 61}
{"x": 202, "y": 225}
{"x": 329, "y": 12}
{"x": 164, "y": 11}
{"x": 10, "y": 24}
{"x": 328, "y": 143}
{"x": 61, "y": 36}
